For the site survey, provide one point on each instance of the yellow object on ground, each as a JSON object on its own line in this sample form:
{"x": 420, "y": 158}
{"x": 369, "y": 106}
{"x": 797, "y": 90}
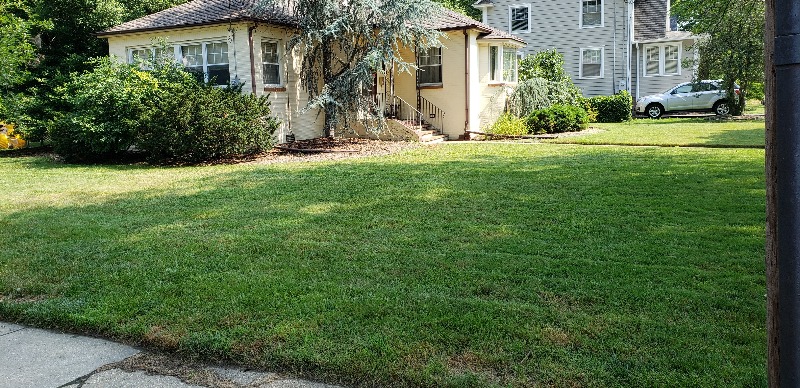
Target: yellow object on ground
{"x": 8, "y": 140}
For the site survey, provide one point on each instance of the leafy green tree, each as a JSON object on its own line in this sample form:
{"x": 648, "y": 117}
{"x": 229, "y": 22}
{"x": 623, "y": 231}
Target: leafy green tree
{"x": 547, "y": 64}
{"x": 462, "y": 6}
{"x": 344, "y": 43}
{"x": 733, "y": 49}
{"x": 17, "y": 50}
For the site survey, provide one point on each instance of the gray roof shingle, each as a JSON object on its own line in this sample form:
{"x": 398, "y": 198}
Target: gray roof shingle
{"x": 205, "y": 12}
{"x": 650, "y": 19}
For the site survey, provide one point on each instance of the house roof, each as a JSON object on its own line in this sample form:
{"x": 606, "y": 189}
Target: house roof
{"x": 483, "y": 3}
{"x": 451, "y": 20}
{"x": 203, "y": 12}
{"x": 673, "y": 36}
{"x": 206, "y": 12}
{"x": 650, "y": 19}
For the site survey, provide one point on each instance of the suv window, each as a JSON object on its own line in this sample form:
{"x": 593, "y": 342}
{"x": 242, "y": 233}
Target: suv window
{"x": 683, "y": 89}
{"x": 704, "y": 87}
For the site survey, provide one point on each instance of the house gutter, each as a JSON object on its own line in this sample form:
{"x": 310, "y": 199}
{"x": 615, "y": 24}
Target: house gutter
{"x": 250, "y": 30}
{"x": 466, "y": 83}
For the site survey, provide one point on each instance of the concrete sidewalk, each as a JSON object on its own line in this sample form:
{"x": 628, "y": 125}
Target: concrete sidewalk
{"x": 40, "y": 359}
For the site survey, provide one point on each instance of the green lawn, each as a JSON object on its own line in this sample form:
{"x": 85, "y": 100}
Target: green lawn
{"x": 676, "y": 132}
{"x": 466, "y": 264}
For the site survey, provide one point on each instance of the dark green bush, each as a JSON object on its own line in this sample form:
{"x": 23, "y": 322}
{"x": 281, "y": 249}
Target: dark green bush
{"x": 105, "y": 110}
{"x": 197, "y": 123}
{"x": 557, "y": 118}
{"x": 164, "y": 113}
{"x": 612, "y": 109}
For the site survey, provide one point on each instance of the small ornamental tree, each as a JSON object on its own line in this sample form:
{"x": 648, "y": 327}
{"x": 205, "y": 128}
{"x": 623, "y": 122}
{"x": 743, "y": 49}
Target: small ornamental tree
{"x": 343, "y": 44}
{"x": 733, "y": 47}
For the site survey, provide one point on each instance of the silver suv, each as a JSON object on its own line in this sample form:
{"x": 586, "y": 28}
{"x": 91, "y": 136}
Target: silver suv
{"x": 689, "y": 96}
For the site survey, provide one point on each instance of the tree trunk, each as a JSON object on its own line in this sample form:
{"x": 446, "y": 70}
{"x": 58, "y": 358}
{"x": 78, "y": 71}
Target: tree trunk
{"x": 327, "y": 76}
{"x": 773, "y": 351}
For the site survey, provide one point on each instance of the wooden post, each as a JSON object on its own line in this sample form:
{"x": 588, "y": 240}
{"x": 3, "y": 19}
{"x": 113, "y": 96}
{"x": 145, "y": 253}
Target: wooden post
{"x": 773, "y": 354}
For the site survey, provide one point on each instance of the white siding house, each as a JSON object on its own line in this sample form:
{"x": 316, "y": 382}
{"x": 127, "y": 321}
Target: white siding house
{"x": 605, "y": 43}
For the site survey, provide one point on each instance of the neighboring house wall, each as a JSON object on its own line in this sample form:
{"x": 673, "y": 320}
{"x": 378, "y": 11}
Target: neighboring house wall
{"x": 557, "y": 24}
{"x": 287, "y": 101}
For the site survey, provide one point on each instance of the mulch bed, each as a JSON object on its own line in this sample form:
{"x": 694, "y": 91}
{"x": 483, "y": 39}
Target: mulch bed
{"x": 312, "y": 150}
{"x": 323, "y": 149}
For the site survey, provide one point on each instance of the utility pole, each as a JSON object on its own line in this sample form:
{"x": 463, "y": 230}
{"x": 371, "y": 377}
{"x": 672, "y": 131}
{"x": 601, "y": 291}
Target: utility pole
{"x": 783, "y": 188}
{"x": 773, "y": 356}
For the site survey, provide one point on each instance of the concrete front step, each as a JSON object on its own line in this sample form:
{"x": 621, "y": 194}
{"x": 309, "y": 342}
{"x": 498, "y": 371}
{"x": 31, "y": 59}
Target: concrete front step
{"x": 435, "y": 139}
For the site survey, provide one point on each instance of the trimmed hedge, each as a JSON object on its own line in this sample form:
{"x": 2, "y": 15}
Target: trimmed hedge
{"x": 612, "y": 109}
{"x": 557, "y": 119}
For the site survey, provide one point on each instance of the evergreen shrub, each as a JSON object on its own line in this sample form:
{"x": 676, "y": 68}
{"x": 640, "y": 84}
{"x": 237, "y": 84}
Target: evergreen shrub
{"x": 164, "y": 113}
{"x": 613, "y": 109}
{"x": 557, "y": 119}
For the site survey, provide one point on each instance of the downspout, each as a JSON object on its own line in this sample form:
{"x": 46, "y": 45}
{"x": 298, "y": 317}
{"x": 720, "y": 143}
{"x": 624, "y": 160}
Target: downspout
{"x": 252, "y": 59}
{"x": 628, "y": 42}
{"x": 638, "y": 71}
{"x": 614, "y": 51}
{"x": 466, "y": 84}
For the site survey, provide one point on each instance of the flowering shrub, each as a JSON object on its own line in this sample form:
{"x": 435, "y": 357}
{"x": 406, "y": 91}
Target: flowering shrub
{"x": 9, "y": 139}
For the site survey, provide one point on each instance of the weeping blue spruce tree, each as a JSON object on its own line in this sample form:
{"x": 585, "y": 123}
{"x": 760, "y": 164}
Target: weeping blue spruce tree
{"x": 344, "y": 43}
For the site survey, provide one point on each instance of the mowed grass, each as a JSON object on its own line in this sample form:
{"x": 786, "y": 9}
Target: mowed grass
{"x": 676, "y": 132}
{"x": 459, "y": 265}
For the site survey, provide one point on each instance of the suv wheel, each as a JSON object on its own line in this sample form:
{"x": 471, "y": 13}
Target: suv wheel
{"x": 654, "y": 111}
{"x": 722, "y": 108}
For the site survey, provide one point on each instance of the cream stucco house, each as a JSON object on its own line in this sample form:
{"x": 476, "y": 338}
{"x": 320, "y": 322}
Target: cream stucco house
{"x": 456, "y": 89}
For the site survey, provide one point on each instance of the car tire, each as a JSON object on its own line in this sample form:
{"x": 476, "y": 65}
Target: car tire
{"x": 654, "y": 111}
{"x": 721, "y": 108}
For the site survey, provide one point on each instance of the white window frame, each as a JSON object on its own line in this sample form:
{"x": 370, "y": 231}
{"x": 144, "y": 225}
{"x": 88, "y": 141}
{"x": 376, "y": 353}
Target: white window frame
{"x": 511, "y": 9}
{"x": 662, "y": 59}
{"x": 602, "y": 14}
{"x": 204, "y": 43}
{"x": 602, "y": 62}
{"x": 152, "y": 50}
{"x": 515, "y": 76}
{"x": 281, "y": 80}
{"x": 500, "y": 65}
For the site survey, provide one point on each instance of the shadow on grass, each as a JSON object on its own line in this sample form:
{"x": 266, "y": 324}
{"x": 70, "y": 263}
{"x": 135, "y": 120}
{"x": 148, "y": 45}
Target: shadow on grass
{"x": 752, "y": 137}
{"x": 446, "y": 268}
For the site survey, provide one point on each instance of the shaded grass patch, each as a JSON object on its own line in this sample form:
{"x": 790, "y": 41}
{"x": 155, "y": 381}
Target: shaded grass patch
{"x": 459, "y": 265}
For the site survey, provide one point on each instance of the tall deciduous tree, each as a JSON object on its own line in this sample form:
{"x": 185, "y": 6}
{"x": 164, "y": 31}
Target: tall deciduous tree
{"x": 17, "y": 49}
{"x": 343, "y": 44}
{"x": 733, "y": 49}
